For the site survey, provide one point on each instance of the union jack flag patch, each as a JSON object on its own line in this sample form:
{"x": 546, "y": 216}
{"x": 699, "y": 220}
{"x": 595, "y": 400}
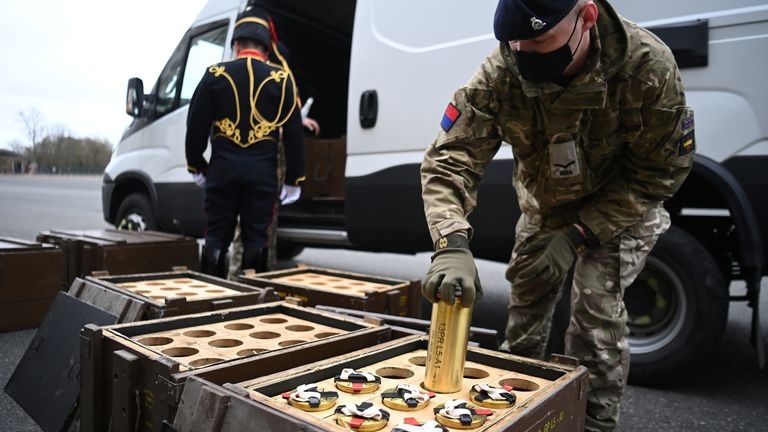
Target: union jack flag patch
{"x": 449, "y": 118}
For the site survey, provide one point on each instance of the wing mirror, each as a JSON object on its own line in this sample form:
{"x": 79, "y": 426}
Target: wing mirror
{"x": 134, "y": 99}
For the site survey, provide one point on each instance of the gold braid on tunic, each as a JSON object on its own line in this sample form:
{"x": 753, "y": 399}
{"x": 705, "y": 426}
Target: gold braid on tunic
{"x": 260, "y": 127}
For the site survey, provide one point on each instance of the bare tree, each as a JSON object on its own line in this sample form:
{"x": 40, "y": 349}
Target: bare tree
{"x": 34, "y": 128}
{"x": 17, "y": 146}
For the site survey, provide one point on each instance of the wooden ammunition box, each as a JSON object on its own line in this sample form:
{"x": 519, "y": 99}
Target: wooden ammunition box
{"x": 150, "y": 361}
{"x": 325, "y": 162}
{"x": 549, "y": 396}
{"x": 166, "y": 294}
{"x": 122, "y": 252}
{"x": 317, "y": 286}
{"x": 31, "y": 274}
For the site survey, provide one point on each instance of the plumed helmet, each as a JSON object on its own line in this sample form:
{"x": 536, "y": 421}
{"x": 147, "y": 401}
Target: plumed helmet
{"x": 253, "y": 24}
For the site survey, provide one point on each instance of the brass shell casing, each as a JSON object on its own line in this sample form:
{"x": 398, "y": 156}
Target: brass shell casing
{"x": 447, "y": 350}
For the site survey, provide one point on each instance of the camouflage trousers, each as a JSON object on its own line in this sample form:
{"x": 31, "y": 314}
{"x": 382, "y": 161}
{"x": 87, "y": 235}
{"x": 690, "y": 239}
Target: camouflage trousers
{"x": 236, "y": 250}
{"x": 597, "y": 332}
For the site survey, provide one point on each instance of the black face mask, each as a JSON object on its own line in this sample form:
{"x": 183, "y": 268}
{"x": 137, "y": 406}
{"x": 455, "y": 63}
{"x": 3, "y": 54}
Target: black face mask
{"x": 547, "y": 67}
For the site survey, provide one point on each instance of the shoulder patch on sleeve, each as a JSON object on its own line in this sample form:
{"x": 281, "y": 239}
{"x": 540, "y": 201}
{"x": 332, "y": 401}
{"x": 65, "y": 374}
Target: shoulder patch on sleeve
{"x": 449, "y": 117}
{"x": 687, "y": 123}
{"x": 687, "y": 144}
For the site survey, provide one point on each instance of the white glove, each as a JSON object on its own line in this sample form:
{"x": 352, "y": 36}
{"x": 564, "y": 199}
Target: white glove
{"x": 306, "y": 107}
{"x": 289, "y": 194}
{"x": 199, "y": 179}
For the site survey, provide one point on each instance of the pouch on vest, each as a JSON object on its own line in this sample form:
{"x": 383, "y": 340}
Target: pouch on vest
{"x": 567, "y": 173}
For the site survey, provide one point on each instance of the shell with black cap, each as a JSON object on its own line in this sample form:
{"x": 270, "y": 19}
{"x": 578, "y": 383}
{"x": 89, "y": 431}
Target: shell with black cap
{"x": 527, "y": 19}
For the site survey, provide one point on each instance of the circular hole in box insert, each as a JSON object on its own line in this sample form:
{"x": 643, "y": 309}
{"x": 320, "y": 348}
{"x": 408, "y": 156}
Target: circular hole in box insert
{"x": 225, "y": 343}
{"x": 155, "y": 283}
{"x": 184, "y": 294}
{"x": 199, "y": 286}
{"x": 200, "y": 333}
{"x": 299, "y": 328}
{"x": 250, "y": 352}
{"x": 394, "y": 373}
{"x": 183, "y": 281}
{"x": 138, "y": 291}
{"x": 264, "y": 335}
{"x": 214, "y": 291}
{"x": 180, "y": 351}
{"x": 170, "y": 289}
{"x": 129, "y": 286}
{"x": 290, "y": 342}
{"x": 239, "y": 326}
{"x": 155, "y": 341}
{"x": 519, "y": 384}
{"x": 324, "y": 335}
{"x": 204, "y": 362}
{"x": 273, "y": 320}
{"x": 475, "y": 373}
{"x": 418, "y": 360}
{"x": 341, "y": 287}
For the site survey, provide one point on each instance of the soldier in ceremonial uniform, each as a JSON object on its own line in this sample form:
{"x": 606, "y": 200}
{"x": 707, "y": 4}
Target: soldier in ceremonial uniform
{"x": 243, "y": 105}
{"x": 594, "y": 110}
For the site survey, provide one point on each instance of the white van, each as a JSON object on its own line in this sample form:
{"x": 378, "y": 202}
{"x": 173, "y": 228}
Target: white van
{"x": 381, "y": 73}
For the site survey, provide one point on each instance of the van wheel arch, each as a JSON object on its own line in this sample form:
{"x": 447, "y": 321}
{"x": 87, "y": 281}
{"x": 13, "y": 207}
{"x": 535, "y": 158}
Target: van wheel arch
{"x": 135, "y": 213}
{"x": 128, "y": 183}
{"x": 712, "y": 185}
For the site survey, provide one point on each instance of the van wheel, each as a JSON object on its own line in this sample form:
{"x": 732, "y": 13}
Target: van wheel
{"x": 135, "y": 214}
{"x": 677, "y": 307}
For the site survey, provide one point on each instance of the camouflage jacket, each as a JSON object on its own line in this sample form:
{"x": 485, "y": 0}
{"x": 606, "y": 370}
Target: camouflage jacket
{"x": 605, "y": 150}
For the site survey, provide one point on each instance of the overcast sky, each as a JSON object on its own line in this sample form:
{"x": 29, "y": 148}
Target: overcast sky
{"x": 71, "y": 60}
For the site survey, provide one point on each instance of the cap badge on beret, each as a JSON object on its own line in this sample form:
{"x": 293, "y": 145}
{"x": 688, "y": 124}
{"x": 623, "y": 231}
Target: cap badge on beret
{"x": 537, "y": 24}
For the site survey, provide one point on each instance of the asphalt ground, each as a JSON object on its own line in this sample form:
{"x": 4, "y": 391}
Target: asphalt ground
{"x": 725, "y": 391}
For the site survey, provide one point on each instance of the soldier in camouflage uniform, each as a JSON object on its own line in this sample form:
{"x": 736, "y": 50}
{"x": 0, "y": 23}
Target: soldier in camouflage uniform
{"x": 594, "y": 110}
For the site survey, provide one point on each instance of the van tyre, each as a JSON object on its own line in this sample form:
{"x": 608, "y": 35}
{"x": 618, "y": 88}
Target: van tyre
{"x": 677, "y": 308}
{"x": 135, "y": 214}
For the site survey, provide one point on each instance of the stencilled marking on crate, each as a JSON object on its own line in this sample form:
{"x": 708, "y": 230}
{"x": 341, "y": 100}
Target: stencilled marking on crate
{"x": 332, "y": 283}
{"x": 192, "y": 289}
{"x": 200, "y": 346}
{"x": 410, "y": 368}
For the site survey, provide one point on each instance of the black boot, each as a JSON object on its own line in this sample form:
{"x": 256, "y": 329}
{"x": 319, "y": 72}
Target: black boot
{"x": 256, "y": 259}
{"x": 264, "y": 262}
{"x": 214, "y": 262}
{"x": 252, "y": 259}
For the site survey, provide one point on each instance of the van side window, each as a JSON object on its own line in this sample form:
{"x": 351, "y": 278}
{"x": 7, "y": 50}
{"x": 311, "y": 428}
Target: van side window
{"x": 175, "y": 82}
{"x": 205, "y": 50}
{"x": 167, "y": 84}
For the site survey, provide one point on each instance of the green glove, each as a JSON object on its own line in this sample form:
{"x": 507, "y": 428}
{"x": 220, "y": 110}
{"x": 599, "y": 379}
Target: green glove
{"x": 551, "y": 258}
{"x": 452, "y": 269}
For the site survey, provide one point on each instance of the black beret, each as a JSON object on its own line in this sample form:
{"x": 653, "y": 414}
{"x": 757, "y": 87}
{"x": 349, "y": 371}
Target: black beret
{"x": 527, "y": 19}
{"x": 253, "y": 24}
